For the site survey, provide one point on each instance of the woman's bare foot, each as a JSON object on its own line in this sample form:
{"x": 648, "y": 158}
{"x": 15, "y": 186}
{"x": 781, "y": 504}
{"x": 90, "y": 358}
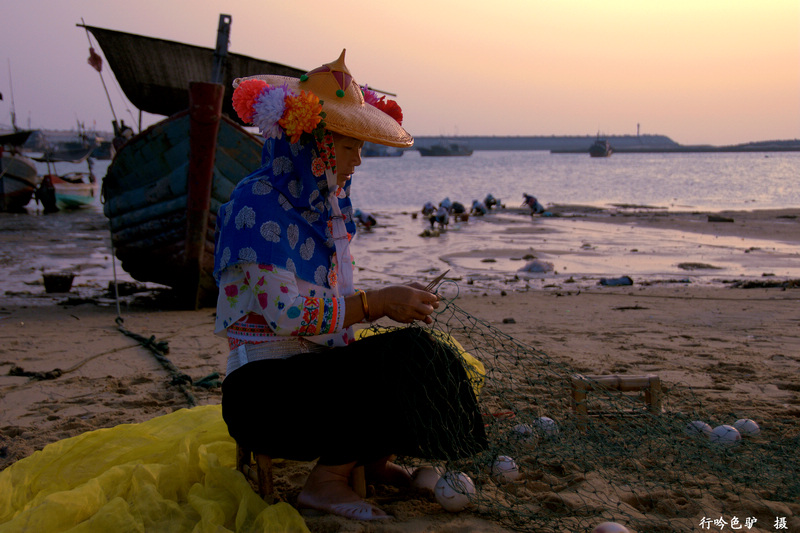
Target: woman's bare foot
{"x": 326, "y": 490}
{"x": 385, "y": 472}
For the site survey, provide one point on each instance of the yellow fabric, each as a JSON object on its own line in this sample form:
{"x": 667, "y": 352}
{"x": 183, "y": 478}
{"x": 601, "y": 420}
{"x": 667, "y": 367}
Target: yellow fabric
{"x": 174, "y": 473}
{"x": 476, "y": 372}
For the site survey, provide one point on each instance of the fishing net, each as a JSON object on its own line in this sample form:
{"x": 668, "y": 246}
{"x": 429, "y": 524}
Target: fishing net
{"x": 591, "y": 449}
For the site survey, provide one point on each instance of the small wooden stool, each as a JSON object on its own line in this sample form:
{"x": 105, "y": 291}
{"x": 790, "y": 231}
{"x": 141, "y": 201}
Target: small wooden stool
{"x": 581, "y": 384}
{"x": 262, "y": 475}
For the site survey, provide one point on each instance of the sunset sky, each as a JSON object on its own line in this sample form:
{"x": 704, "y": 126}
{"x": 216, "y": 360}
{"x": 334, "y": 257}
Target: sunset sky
{"x": 699, "y": 71}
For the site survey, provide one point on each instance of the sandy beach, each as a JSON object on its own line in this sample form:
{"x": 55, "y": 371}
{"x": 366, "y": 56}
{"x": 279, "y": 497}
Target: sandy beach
{"x": 711, "y": 309}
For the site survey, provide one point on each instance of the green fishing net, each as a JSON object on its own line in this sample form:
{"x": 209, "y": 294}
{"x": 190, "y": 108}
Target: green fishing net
{"x": 569, "y": 451}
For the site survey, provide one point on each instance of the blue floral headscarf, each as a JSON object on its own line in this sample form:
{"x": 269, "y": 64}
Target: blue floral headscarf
{"x": 290, "y": 213}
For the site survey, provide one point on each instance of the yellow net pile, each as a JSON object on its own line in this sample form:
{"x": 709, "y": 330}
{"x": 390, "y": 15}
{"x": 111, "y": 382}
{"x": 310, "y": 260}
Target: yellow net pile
{"x": 172, "y": 473}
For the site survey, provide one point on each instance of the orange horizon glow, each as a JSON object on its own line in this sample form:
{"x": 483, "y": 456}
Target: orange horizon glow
{"x": 708, "y": 72}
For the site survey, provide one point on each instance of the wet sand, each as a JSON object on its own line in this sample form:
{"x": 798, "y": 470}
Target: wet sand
{"x": 584, "y": 245}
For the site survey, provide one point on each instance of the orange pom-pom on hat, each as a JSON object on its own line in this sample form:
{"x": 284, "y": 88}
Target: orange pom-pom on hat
{"x": 301, "y": 116}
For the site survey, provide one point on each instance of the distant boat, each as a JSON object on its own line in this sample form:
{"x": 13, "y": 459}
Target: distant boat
{"x": 445, "y": 149}
{"x": 71, "y": 190}
{"x": 601, "y": 148}
{"x": 104, "y": 151}
{"x": 75, "y": 189}
{"x": 18, "y": 175}
{"x": 71, "y": 152}
{"x": 379, "y": 150}
{"x": 162, "y": 223}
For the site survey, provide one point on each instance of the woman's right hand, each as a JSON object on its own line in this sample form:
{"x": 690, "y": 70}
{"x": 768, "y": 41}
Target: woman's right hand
{"x": 403, "y": 303}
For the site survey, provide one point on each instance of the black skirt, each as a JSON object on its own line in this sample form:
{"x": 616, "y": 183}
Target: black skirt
{"x": 401, "y": 392}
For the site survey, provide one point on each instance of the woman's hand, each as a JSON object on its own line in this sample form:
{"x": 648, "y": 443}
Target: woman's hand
{"x": 403, "y": 303}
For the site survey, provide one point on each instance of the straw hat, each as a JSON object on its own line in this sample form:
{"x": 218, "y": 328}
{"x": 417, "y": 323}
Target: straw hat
{"x": 343, "y": 104}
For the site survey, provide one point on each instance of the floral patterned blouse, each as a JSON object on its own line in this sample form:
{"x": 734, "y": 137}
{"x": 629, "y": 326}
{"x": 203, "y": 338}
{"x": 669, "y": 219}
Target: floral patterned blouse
{"x": 260, "y": 303}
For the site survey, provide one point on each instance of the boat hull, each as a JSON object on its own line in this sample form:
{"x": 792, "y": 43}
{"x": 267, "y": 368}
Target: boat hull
{"x": 600, "y": 149}
{"x": 439, "y": 150}
{"x": 18, "y": 182}
{"x": 379, "y": 150}
{"x": 145, "y": 194}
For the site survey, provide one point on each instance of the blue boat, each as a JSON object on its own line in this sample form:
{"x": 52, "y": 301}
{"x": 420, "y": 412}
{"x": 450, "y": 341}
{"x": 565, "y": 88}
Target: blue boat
{"x": 147, "y": 198}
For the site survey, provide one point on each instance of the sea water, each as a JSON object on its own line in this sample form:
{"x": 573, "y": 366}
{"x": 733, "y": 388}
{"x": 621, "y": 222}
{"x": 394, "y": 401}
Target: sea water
{"x": 685, "y": 181}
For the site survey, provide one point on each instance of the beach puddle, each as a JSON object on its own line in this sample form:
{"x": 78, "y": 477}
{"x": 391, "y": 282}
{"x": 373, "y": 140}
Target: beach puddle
{"x": 35, "y": 245}
{"x": 609, "y": 249}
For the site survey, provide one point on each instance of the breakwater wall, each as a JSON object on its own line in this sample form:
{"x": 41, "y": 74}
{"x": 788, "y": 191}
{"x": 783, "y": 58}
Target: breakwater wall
{"x": 581, "y": 143}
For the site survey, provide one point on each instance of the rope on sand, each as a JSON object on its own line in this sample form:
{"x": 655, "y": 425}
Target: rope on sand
{"x": 160, "y": 349}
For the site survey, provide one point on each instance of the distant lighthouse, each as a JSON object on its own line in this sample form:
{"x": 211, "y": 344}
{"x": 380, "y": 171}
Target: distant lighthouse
{"x": 637, "y": 129}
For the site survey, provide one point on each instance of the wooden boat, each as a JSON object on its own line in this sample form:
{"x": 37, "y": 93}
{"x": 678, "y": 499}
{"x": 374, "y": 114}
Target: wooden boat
{"x": 146, "y": 199}
{"x": 445, "y": 149}
{"x": 164, "y": 186}
{"x": 18, "y": 175}
{"x": 601, "y": 148}
{"x": 74, "y": 190}
{"x": 103, "y": 152}
{"x": 71, "y": 190}
{"x": 379, "y": 150}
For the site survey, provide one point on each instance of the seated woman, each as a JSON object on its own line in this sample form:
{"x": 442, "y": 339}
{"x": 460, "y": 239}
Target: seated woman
{"x": 298, "y": 385}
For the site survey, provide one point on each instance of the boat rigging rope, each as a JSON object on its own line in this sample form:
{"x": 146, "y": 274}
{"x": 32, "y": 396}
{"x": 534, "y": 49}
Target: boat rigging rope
{"x": 99, "y": 71}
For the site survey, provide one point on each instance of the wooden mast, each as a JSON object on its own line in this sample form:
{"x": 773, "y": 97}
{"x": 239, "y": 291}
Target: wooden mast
{"x": 205, "y": 111}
